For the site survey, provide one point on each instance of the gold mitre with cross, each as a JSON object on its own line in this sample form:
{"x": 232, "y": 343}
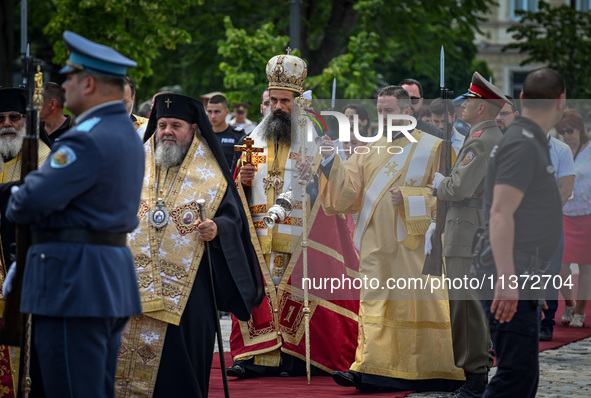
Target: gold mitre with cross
{"x": 286, "y": 72}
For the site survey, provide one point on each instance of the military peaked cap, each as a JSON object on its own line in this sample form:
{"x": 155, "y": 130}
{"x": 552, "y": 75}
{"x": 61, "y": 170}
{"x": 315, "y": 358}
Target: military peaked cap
{"x": 93, "y": 57}
{"x": 481, "y": 88}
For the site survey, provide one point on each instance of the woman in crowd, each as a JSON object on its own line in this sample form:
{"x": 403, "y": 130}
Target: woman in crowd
{"x": 577, "y": 220}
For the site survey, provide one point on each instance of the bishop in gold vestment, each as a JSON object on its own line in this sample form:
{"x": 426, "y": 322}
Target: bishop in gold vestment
{"x": 272, "y": 342}
{"x": 167, "y": 351}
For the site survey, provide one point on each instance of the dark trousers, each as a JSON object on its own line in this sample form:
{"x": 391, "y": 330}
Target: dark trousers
{"x": 78, "y": 356}
{"x": 516, "y": 346}
{"x": 551, "y": 292}
{"x": 469, "y": 328}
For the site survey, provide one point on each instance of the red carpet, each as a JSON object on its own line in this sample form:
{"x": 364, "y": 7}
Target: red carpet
{"x": 287, "y": 387}
{"x": 563, "y": 334}
{"x": 325, "y": 387}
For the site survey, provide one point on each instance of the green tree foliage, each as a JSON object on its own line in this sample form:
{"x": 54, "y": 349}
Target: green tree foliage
{"x": 412, "y": 34}
{"x": 365, "y": 44}
{"x": 245, "y": 57}
{"x": 383, "y": 44}
{"x": 559, "y": 37}
{"x": 135, "y": 28}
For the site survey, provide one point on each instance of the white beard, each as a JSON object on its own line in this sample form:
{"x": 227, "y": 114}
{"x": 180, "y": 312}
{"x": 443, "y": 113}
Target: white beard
{"x": 169, "y": 154}
{"x": 10, "y": 147}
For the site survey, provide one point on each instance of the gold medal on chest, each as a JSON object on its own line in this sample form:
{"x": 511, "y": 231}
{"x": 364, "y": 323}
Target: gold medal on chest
{"x": 159, "y": 215}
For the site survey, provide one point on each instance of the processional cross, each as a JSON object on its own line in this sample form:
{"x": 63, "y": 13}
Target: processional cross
{"x": 248, "y": 149}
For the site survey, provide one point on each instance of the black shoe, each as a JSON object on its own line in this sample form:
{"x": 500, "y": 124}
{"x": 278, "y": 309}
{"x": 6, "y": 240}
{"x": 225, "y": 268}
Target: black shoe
{"x": 236, "y": 371}
{"x": 546, "y": 333}
{"x": 473, "y": 387}
{"x": 346, "y": 379}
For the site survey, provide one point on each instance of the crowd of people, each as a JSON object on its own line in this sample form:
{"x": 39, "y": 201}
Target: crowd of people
{"x": 143, "y": 229}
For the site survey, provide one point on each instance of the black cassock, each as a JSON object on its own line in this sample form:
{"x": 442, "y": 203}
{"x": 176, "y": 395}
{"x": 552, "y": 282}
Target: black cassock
{"x": 189, "y": 348}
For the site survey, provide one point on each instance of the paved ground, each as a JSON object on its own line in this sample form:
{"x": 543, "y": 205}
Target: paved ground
{"x": 564, "y": 372}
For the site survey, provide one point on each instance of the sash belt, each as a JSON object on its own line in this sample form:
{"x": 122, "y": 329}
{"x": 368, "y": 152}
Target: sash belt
{"x": 79, "y": 235}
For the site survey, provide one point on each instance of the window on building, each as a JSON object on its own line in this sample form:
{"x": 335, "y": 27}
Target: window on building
{"x": 517, "y": 79}
{"x": 525, "y": 5}
{"x": 583, "y": 5}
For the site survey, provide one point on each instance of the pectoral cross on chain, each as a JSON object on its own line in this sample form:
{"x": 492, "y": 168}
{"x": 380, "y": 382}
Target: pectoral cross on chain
{"x": 248, "y": 149}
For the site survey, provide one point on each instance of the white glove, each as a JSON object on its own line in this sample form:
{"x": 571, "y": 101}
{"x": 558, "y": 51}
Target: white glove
{"x": 428, "y": 236}
{"x": 7, "y": 288}
{"x": 14, "y": 189}
{"x": 437, "y": 180}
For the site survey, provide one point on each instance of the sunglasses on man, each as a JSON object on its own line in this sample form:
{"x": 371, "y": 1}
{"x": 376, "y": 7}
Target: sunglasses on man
{"x": 414, "y": 100}
{"x": 13, "y": 117}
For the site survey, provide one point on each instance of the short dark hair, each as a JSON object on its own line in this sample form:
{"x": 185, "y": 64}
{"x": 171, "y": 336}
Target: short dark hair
{"x": 542, "y": 84}
{"x": 129, "y": 81}
{"x": 52, "y": 90}
{"x": 412, "y": 82}
{"x": 573, "y": 119}
{"x": 437, "y": 107}
{"x": 219, "y": 99}
{"x": 397, "y": 92}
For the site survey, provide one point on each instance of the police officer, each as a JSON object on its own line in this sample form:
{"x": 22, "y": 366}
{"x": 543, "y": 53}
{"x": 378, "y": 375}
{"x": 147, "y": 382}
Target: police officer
{"x": 463, "y": 189}
{"x": 80, "y": 282}
{"x": 523, "y": 209}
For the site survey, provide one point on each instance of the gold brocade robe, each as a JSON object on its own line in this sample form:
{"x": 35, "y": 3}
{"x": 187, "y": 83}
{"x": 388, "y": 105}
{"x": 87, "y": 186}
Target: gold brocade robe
{"x": 139, "y": 121}
{"x": 167, "y": 260}
{"x": 9, "y": 356}
{"x": 404, "y": 332}
{"x": 276, "y": 172}
{"x": 12, "y": 168}
{"x": 278, "y": 324}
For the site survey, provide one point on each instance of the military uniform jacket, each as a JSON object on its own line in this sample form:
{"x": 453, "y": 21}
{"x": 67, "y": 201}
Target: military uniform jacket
{"x": 466, "y": 181}
{"x": 92, "y": 180}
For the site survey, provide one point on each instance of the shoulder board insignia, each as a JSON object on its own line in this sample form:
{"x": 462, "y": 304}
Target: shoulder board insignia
{"x": 88, "y": 125}
{"x": 469, "y": 157}
{"x": 477, "y": 134}
{"x": 527, "y": 134}
{"x": 64, "y": 157}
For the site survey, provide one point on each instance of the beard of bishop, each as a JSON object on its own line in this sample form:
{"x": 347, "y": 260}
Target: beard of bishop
{"x": 277, "y": 127}
{"x": 170, "y": 153}
{"x": 10, "y": 146}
